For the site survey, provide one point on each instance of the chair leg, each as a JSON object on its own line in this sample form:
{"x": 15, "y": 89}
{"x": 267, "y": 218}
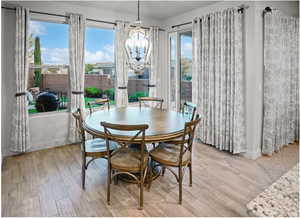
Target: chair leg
{"x": 141, "y": 191}
{"x": 191, "y": 173}
{"x": 150, "y": 176}
{"x": 116, "y": 179}
{"x": 83, "y": 171}
{"x": 108, "y": 183}
{"x": 180, "y": 184}
{"x": 153, "y": 144}
{"x": 163, "y": 171}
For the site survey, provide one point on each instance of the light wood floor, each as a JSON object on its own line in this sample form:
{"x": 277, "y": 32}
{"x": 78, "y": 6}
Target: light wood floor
{"x": 47, "y": 183}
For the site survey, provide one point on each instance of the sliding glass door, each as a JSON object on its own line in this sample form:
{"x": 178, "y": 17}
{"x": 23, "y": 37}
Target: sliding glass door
{"x": 173, "y": 72}
{"x": 180, "y": 68}
{"x": 185, "y": 67}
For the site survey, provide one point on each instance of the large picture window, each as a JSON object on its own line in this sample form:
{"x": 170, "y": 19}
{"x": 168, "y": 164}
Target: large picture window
{"x": 48, "y": 66}
{"x": 99, "y": 64}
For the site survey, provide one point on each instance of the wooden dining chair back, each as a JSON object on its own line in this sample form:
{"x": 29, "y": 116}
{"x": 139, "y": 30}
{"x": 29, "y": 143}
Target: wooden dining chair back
{"x": 126, "y": 160}
{"x": 98, "y": 102}
{"x": 153, "y": 102}
{"x": 93, "y": 148}
{"x": 79, "y": 121}
{"x": 189, "y": 109}
{"x": 188, "y": 137}
{"x": 177, "y": 153}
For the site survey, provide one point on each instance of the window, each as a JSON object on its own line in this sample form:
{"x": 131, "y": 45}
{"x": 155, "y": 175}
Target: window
{"x": 138, "y": 85}
{"x": 173, "y": 57}
{"x": 185, "y": 67}
{"x": 180, "y": 70}
{"x": 99, "y": 64}
{"x": 48, "y": 66}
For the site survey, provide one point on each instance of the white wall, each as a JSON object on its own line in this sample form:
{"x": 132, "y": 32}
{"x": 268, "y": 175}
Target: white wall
{"x": 288, "y": 7}
{"x": 51, "y": 128}
{"x": 253, "y": 58}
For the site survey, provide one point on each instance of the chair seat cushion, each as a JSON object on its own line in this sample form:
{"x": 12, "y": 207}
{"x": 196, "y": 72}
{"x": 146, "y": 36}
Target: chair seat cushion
{"x": 168, "y": 154}
{"x": 128, "y": 160}
{"x": 97, "y": 146}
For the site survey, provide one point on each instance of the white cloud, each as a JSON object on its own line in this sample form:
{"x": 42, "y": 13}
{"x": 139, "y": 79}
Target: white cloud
{"x": 61, "y": 55}
{"x": 36, "y": 28}
{"x": 55, "y": 55}
{"x": 187, "y": 49}
{"x": 105, "y": 55}
{"x": 109, "y": 48}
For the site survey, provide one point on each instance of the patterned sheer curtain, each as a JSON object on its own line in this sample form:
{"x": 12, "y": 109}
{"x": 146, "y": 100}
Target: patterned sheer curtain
{"x": 154, "y": 70}
{"x": 281, "y": 81}
{"x": 76, "y": 56}
{"x": 20, "y": 122}
{"x": 121, "y": 65}
{"x": 218, "y": 79}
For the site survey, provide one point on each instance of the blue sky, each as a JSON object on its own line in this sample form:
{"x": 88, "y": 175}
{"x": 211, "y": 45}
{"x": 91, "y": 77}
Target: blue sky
{"x": 54, "y": 43}
{"x": 96, "y": 38}
{"x": 186, "y": 46}
{"x": 99, "y": 43}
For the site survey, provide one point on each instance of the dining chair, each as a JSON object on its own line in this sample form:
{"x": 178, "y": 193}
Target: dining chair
{"x": 189, "y": 109}
{"x": 176, "y": 154}
{"x": 98, "y": 102}
{"x": 158, "y": 102}
{"x": 92, "y": 148}
{"x": 126, "y": 160}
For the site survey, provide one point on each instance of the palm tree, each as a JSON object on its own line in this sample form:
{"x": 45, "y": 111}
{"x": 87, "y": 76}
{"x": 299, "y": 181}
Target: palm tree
{"x": 37, "y": 62}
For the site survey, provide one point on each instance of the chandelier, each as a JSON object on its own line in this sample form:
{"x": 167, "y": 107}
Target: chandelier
{"x": 138, "y": 46}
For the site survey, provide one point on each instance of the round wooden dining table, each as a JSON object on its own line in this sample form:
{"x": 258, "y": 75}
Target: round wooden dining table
{"x": 163, "y": 125}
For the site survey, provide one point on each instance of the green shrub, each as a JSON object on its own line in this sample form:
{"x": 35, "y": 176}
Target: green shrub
{"x": 110, "y": 93}
{"x": 92, "y": 92}
{"x": 188, "y": 77}
{"x": 135, "y": 96}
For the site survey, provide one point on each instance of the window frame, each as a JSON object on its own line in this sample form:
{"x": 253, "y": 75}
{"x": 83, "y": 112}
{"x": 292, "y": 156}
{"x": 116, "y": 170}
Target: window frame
{"x": 180, "y": 33}
{"x": 62, "y": 20}
{"x": 93, "y": 24}
{"x": 57, "y": 20}
{"x": 176, "y": 34}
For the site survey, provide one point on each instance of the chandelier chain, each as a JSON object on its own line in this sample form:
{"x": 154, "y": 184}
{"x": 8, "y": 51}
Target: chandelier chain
{"x": 138, "y": 10}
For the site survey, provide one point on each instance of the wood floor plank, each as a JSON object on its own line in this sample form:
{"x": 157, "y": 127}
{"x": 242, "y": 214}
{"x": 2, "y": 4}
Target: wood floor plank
{"x": 65, "y": 208}
{"x": 30, "y": 207}
{"x": 48, "y": 205}
{"x": 48, "y": 183}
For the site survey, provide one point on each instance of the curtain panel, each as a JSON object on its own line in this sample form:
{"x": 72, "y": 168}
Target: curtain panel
{"x": 154, "y": 69}
{"x": 162, "y": 80}
{"x": 121, "y": 94}
{"x": 77, "y": 71}
{"x": 218, "y": 79}
{"x": 20, "y": 120}
{"x": 281, "y": 81}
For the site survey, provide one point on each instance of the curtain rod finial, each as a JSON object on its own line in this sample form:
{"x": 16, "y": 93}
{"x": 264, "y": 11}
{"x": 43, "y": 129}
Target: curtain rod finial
{"x": 268, "y": 9}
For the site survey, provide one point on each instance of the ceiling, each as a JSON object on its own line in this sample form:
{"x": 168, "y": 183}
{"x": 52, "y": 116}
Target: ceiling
{"x": 149, "y": 9}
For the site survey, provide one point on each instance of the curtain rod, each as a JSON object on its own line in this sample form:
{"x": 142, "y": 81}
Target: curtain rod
{"x": 65, "y": 16}
{"x": 241, "y": 9}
